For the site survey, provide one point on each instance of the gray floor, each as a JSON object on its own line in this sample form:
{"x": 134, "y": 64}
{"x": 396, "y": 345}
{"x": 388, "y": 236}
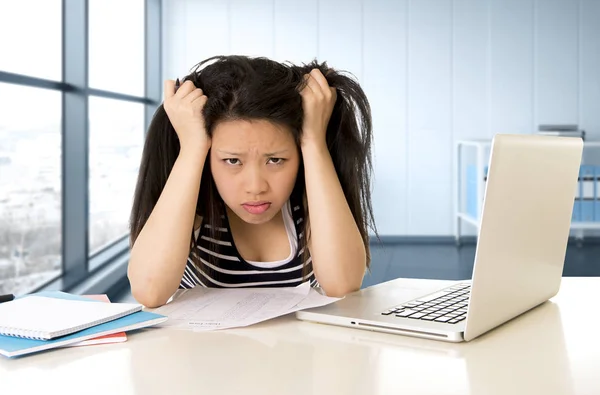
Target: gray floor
{"x": 446, "y": 261}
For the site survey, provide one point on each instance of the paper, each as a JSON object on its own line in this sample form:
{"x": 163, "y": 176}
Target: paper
{"x": 313, "y": 299}
{"x": 205, "y": 309}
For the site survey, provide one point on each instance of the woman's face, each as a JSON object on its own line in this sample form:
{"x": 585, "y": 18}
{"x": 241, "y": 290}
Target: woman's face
{"x": 254, "y": 165}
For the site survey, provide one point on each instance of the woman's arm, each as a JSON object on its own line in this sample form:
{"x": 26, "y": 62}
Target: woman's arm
{"x": 160, "y": 252}
{"x": 335, "y": 243}
{"x": 161, "y": 249}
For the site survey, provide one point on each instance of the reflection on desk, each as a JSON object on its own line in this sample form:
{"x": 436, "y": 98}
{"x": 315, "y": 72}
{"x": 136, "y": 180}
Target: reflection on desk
{"x": 550, "y": 350}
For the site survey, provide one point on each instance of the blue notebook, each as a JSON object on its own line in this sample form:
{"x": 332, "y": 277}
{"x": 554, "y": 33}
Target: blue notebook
{"x": 13, "y": 346}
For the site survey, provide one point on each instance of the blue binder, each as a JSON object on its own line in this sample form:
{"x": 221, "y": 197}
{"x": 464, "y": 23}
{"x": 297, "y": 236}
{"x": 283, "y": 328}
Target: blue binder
{"x": 471, "y": 185}
{"x": 596, "y": 194}
{"x": 577, "y": 215}
{"x": 588, "y": 193}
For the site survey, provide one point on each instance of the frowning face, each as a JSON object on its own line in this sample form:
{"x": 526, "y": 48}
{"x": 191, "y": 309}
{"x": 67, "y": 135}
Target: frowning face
{"x": 254, "y": 165}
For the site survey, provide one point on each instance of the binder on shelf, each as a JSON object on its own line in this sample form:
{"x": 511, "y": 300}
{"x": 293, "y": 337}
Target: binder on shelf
{"x": 472, "y": 184}
{"x": 587, "y": 192}
{"x": 587, "y": 210}
{"x": 471, "y": 198}
{"x": 596, "y": 193}
{"x": 576, "y": 217}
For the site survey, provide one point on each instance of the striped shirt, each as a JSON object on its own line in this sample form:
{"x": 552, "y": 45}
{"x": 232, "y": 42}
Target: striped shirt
{"x": 223, "y": 267}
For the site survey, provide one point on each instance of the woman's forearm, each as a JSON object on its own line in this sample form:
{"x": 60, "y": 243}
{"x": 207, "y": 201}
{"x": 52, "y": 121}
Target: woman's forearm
{"x": 159, "y": 254}
{"x": 336, "y": 245}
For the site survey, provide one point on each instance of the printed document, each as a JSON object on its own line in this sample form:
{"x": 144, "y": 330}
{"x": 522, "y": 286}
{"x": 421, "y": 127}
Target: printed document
{"x": 205, "y": 309}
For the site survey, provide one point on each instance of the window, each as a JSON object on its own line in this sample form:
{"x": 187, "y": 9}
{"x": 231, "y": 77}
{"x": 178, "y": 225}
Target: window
{"x": 30, "y": 187}
{"x": 116, "y": 46}
{"x": 37, "y": 25}
{"x": 78, "y": 85}
{"x": 116, "y": 66}
{"x": 116, "y": 143}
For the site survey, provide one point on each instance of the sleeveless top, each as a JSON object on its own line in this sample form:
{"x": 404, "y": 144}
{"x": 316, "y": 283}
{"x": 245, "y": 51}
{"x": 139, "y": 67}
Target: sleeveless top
{"x": 223, "y": 266}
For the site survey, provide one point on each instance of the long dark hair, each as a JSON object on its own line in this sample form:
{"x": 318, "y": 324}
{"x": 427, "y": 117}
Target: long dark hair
{"x": 245, "y": 88}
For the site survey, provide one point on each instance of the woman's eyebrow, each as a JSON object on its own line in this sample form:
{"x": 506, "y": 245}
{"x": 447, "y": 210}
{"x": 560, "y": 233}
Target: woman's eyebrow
{"x": 229, "y": 153}
{"x": 276, "y": 152}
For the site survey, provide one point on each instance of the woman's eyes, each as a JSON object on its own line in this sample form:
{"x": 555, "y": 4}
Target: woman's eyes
{"x": 236, "y": 162}
{"x": 232, "y": 161}
{"x": 276, "y": 161}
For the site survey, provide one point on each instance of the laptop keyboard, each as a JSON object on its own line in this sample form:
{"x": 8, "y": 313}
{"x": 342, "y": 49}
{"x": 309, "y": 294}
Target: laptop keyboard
{"x": 448, "y": 306}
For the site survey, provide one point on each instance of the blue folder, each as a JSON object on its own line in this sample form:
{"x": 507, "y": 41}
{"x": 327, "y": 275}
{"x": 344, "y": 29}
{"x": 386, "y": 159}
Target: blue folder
{"x": 13, "y": 346}
{"x": 587, "y": 192}
{"x": 597, "y": 194}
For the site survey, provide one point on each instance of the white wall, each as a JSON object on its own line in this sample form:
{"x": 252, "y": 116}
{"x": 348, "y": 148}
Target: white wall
{"x": 435, "y": 71}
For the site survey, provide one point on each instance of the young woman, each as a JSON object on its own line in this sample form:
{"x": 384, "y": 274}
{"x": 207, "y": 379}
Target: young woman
{"x": 254, "y": 174}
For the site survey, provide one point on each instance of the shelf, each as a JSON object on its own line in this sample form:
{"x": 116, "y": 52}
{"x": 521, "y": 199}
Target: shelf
{"x": 574, "y": 225}
{"x": 469, "y": 219}
{"x": 585, "y": 225}
{"x": 470, "y": 166}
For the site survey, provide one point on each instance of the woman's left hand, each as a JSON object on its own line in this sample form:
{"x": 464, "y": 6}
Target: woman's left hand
{"x": 318, "y": 99}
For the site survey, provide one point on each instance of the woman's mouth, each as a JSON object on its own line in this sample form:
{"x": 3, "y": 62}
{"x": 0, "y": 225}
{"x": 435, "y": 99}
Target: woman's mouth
{"x": 256, "y": 207}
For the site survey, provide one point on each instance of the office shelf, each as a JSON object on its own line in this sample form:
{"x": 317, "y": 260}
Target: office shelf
{"x": 470, "y": 172}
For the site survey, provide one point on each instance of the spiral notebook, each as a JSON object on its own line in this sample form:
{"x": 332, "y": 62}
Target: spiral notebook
{"x": 44, "y": 318}
{"x": 118, "y": 337}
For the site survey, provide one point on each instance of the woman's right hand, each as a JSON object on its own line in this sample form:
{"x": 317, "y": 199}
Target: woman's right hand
{"x": 184, "y": 109}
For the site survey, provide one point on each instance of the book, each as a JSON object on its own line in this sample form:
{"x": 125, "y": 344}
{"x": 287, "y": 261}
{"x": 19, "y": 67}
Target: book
{"x": 118, "y": 337}
{"x": 11, "y": 346}
{"x": 44, "y": 318}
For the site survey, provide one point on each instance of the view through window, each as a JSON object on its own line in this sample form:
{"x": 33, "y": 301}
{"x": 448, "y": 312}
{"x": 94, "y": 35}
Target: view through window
{"x": 30, "y": 187}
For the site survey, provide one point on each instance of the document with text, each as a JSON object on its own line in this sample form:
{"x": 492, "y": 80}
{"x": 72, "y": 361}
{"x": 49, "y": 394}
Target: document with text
{"x": 205, "y": 309}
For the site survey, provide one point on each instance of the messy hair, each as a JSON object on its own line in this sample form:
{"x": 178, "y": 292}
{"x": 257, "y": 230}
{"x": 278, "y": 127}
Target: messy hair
{"x": 257, "y": 88}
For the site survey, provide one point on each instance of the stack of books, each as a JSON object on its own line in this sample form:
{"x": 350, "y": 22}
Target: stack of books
{"x": 561, "y": 130}
{"x": 48, "y": 320}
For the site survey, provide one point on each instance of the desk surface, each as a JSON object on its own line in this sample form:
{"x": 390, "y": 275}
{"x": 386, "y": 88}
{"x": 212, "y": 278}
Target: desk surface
{"x": 553, "y": 349}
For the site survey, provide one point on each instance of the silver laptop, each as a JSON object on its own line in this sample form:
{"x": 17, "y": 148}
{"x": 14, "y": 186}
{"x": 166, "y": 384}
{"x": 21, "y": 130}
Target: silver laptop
{"x": 521, "y": 246}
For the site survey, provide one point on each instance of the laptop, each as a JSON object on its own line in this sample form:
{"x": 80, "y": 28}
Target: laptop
{"x": 478, "y": 367}
{"x": 519, "y": 258}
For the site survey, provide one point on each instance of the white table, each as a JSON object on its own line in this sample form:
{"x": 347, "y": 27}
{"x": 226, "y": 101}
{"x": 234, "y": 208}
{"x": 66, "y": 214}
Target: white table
{"x": 553, "y": 349}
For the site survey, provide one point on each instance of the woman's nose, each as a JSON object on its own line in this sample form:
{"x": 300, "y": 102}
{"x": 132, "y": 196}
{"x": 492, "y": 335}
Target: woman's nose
{"x": 256, "y": 183}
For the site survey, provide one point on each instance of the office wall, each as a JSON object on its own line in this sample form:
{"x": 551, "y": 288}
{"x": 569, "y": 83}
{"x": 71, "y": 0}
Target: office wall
{"x": 436, "y": 71}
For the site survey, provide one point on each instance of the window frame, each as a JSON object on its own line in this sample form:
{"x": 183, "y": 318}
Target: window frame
{"x": 106, "y": 270}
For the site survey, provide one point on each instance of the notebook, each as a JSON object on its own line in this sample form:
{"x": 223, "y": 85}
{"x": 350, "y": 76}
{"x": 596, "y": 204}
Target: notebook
{"x": 14, "y": 347}
{"x": 44, "y": 318}
{"x": 118, "y": 337}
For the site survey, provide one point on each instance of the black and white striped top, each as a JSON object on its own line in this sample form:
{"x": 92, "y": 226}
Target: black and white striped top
{"x": 223, "y": 267}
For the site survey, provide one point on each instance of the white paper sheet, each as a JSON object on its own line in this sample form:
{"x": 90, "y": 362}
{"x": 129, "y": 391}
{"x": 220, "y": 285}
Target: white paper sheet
{"x": 205, "y": 309}
{"x": 313, "y": 299}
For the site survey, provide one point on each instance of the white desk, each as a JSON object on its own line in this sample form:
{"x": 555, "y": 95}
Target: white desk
{"x": 554, "y": 349}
